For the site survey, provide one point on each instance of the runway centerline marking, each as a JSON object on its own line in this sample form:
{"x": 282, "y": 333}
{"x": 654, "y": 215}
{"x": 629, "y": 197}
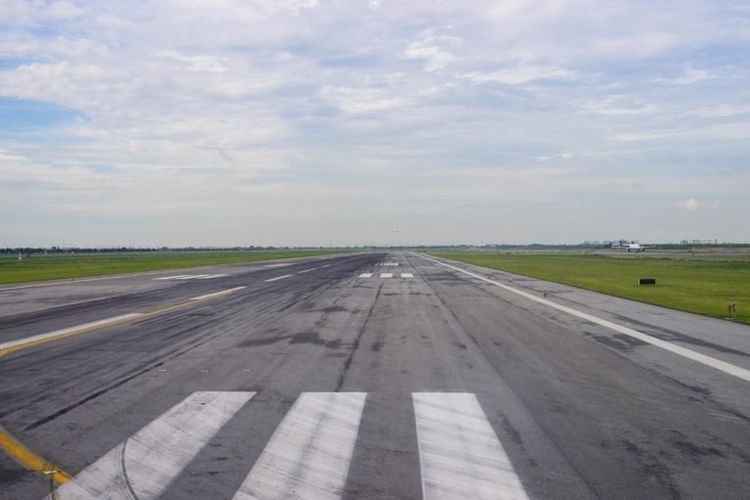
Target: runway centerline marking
{"x": 459, "y": 453}
{"x": 407, "y": 275}
{"x": 146, "y": 463}
{"x": 709, "y": 361}
{"x": 277, "y": 278}
{"x": 308, "y": 455}
{"x": 43, "y": 338}
{"x": 365, "y": 275}
{"x": 307, "y": 270}
{"x": 386, "y": 275}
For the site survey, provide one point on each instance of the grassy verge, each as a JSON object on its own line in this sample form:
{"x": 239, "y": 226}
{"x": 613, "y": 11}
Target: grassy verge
{"x": 697, "y": 286}
{"x": 51, "y": 267}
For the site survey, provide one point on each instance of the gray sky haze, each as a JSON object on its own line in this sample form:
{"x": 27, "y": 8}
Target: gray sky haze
{"x": 304, "y": 122}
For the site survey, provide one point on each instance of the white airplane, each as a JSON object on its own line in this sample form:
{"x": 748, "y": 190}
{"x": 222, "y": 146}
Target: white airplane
{"x": 628, "y": 246}
{"x": 635, "y": 247}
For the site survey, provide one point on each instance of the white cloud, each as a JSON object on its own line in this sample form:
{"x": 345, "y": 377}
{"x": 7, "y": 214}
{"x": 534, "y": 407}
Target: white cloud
{"x": 196, "y": 62}
{"x": 63, "y": 11}
{"x": 690, "y": 205}
{"x": 521, "y": 74}
{"x": 722, "y": 111}
{"x": 7, "y": 157}
{"x": 689, "y": 76}
{"x": 354, "y": 100}
{"x": 724, "y": 132}
{"x": 636, "y": 45}
{"x": 565, "y": 155}
{"x": 433, "y": 48}
{"x": 238, "y": 110}
{"x": 619, "y": 104}
{"x": 615, "y": 106}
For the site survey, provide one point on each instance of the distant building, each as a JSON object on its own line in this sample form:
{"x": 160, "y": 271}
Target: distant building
{"x": 714, "y": 241}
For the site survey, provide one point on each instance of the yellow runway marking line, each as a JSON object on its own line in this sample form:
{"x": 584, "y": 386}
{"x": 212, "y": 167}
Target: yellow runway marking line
{"x": 20, "y": 344}
{"x": 29, "y": 459}
{"x": 43, "y": 338}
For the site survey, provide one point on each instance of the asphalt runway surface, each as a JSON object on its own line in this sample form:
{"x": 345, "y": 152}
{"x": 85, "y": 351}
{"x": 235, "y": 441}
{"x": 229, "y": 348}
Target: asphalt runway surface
{"x": 368, "y": 375}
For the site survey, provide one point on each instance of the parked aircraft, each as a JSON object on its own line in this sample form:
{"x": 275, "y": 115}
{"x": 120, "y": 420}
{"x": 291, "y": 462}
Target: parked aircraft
{"x": 628, "y": 246}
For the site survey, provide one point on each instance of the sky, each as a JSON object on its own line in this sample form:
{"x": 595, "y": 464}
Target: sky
{"x": 375, "y": 122}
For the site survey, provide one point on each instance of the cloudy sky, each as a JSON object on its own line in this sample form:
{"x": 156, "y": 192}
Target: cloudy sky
{"x": 316, "y": 122}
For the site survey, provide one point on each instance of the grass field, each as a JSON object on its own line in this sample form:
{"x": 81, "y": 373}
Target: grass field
{"x": 66, "y": 266}
{"x": 698, "y": 286}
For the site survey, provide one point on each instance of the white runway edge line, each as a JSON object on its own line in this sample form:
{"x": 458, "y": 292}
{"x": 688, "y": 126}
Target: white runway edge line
{"x": 277, "y": 278}
{"x": 308, "y": 455}
{"x": 145, "y": 464}
{"x": 712, "y": 362}
{"x": 103, "y": 323}
{"x": 460, "y": 455}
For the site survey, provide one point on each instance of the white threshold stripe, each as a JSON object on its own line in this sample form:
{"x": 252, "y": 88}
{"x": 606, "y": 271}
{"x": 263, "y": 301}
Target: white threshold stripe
{"x": 386, "y": 275}
{"x": 308, "y": 455}
{"x": 365, "y": 275}
{"x": 407, "y": 275}
{"x": 710, "y": 361}
{"x": 459, "y": 453}
{"x": 277, "y": 278}
{"x": 72, "y": 329}
{"x": 145, "y": 464}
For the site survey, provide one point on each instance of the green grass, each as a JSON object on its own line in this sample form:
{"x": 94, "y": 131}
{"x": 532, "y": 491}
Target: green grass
{"x": 697, "y": 286}
{"x": 66, "y": 266}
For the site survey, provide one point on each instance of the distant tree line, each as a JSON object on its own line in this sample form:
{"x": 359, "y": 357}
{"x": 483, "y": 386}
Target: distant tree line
{"x": 63, "y": 250}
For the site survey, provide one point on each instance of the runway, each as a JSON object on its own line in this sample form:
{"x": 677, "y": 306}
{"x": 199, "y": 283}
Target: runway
{"x": 367, "y": 375}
